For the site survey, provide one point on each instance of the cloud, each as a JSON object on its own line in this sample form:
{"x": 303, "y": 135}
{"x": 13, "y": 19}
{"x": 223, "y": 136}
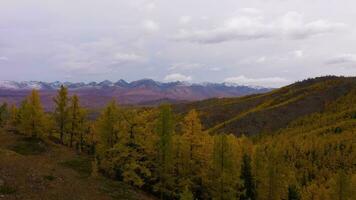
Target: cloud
{"x": 261, "y": 59}
{"x": 251, "y": 11}
{"x": 185, "y": 66}
{"x": 3, "y": 58}
{"x": 128, "y": 57}
{"x": 215, "y": 69}
{"x": 298, "y": 53}
{"x": 177, "y": 77}
{"x": 185, "y": 19}
{"x": 266, "y": 82}
{"x": 293, "y": 26}
{"x": 240, "y": 28}
{"x": 250, "y": 27}
{"x": 101, "y": 56}
{"x": 342, "y": 59}
{"x": 150, "y": 26}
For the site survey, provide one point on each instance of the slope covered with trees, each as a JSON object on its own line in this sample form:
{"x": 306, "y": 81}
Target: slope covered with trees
{"x": 264, "y": 113}
{"x": 304, "y": 149}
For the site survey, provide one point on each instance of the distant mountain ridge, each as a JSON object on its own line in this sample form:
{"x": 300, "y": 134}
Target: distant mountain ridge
{"x": 140, "y": 92}
{"x": 40, "y": 85}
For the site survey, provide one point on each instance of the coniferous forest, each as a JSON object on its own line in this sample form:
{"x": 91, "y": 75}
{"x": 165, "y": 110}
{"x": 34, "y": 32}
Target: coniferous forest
{"x": 172, "y": 153}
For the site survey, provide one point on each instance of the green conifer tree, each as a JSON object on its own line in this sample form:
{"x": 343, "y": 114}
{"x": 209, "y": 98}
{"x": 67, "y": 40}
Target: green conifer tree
{"x": 248, "y": 181}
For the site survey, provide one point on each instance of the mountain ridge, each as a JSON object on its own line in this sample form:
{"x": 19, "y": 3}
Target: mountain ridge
{"x": 41, "y": 85}
{"x": 140, "y": 92}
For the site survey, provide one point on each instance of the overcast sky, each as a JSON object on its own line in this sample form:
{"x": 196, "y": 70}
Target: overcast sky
{"x": 251, "y": 42}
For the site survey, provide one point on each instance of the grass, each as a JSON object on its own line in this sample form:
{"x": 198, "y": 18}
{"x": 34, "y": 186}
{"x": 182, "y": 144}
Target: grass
{"x": 117, "y": 190}
{"x": 29, "y": 146}
{"x": 82, "y": 165}
{"x": 49, "y": 177}
{"x": 5, "y": 189}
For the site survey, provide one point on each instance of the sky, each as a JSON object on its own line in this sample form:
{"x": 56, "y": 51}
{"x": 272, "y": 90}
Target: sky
{"x": 249, "y": 42}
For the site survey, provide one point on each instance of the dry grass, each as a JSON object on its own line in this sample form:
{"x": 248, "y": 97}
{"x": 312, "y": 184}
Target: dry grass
{"x": 34, "y": 170}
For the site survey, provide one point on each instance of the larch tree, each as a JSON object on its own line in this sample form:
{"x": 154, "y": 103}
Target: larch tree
{"x": 165, "y": 130}
{"x": 61, "y": 111}
{"x": 4, "y": 114}
{"x": 186, "y": 195}
{"x": 223, "y": 180}
{"x": 341, "y": 186}
{"x": 13, "y": 120}
{"x": 192, "y": 150}
{"x": 128, "y": 155}
{"x": 76, "y": 121}
{"x": 107, "y": 126}
{"x": 32, "y": 119}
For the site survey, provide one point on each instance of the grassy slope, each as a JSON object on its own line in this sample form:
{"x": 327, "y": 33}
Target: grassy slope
{"x": 31, "y": 169}
{"x": 269, "y": 112}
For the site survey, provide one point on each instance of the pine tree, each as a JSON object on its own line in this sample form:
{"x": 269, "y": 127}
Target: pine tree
{"x": 165, "y": 129}
{"x": 248, "y": 186}
{"x": 61, "y": 110}
{"x": 32, "y": 119}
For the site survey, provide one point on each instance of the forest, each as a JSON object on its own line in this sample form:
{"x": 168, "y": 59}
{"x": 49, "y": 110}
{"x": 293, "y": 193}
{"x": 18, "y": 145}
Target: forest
{"x": 173, "y": 155}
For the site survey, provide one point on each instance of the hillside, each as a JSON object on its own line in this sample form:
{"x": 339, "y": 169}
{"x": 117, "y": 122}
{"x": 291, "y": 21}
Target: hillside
{"x": 264, "y": 113}
{"x": 33, "y": 169}
{"x": 141, "y": 92}
{"x": 302, "y": 144}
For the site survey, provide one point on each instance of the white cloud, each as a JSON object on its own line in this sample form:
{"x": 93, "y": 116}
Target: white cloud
{"x": 128, "y": 57}
{"x": 185, "y": 66}
{"x": 298, "y": 53}
{"x": 250, "y": 27}
{"x": 251, "y": 11}
{"x": 261, "y": 59}
{"x": 4, "y": 58}
{"x": 293, "y": 26}
{"x": 266, "y": 82}
{"x": 150, "y": 6}
{"x": 185, "y": 19}
{"x": 215, "y": 69}
{"x": 342, "y": 59}
{"x": 177, "y": 77}
{"x": 150, "y": 26}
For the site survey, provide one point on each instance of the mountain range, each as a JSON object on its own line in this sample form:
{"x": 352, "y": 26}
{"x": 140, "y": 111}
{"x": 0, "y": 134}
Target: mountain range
{"x": 140, "y": 92}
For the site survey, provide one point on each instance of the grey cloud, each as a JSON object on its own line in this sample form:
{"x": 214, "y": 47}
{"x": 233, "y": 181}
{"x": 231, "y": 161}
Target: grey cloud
{"x": 252, "y": 27}
{"x": 185, "y": 66}
{"x": 342, "y": 59}
{"x": 112, "y": 39}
